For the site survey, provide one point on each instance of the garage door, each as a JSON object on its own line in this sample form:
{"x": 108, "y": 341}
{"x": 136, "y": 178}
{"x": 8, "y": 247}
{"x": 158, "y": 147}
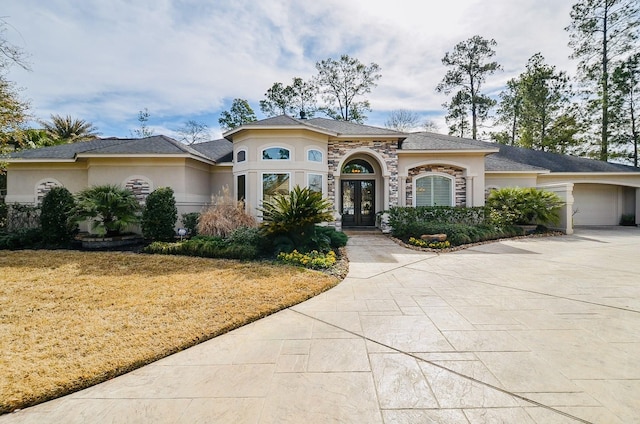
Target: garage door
{"x": 597, "y": 204}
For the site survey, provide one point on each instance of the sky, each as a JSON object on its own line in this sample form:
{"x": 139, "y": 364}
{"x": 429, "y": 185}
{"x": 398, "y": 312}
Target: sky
{"x": 104, "y": 61}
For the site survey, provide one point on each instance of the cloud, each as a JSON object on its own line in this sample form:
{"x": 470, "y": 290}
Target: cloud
{"x": 105, "y": 61}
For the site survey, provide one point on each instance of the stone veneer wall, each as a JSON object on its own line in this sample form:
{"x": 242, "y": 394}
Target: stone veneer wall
{"x": 460, "y": 191}
{"x": 387, "y": 149}
{"x": 43, "y": 188}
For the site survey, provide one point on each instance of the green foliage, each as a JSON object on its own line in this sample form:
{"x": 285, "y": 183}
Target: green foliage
{"x": 429, "y": 244}
{"x": 337, "y": 239}
{"x": 458, "y": 234}
{"x": 313, "y": 259}
{"x": 25, "y": 238}
{"x": 110, "y": 208}
{"x": 524, "y": 206}
{"x": 405, "y": 221}
{"x": 470, "y": 66}
{"x": 340, "y": 82}
{"x": 628, "y": 219}
{"x": 68, "y": 130}
{"x": 160, "y": 215}
{"x": 239, "y": 114}
{"x": 144, "y": 130}
{"x": 4, "y": 209}
{"x": 190, "y": 223}
{"x": 291, "y": 99}
{"x": 294, "y": 216}
{"x": 210, "y": 247}
{"x": 57, "y": 226}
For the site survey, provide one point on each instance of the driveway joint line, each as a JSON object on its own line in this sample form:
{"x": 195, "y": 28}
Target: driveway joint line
{"x": 418, "y": 358}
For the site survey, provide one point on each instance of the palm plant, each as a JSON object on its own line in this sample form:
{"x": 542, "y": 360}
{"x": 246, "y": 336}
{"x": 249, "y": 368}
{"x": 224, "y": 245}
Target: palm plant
{"x": 110, "y": 208}
{"x": 289, "y": 219}
{"x": 69, "y": 130}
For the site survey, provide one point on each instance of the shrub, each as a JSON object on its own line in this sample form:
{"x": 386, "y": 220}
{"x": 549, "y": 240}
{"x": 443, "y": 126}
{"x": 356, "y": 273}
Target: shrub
{"x": 25, "y": 238}
{"x": 55, "y": 217}
{"x": 429, "y": 244}
{"x": 524, "y": 206}
{"x": 160, "y": 215}
{"x": 224, "y": 216}
{"x": 313, "y": 259}
{"x": 293, "y": 216}
{"x": 110, "y": 208}
{"x": 628, "y": 219}
{"x": 4, "y": 209}
{"x": 458, "y": 234}
{"x": 205, "y": 246}
{"x": 190, "y": 222}
{"x": 337, "y": 238}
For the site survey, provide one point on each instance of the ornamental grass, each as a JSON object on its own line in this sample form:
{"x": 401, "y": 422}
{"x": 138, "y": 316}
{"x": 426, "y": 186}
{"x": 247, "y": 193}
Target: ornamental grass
{"x": 69, "y": 320}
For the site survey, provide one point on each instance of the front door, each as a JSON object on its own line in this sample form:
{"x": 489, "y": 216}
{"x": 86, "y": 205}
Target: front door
{"x": 358, "y": 203}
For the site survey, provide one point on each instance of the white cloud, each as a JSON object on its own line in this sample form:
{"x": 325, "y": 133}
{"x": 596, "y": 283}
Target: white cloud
{"x": 105, "y": 61}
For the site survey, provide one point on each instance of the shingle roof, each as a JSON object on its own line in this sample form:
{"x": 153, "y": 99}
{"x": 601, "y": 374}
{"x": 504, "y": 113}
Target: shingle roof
{"x": 159, "y": 144}
{"x": 435, "y": 141}
{"x": 220, "y": 150}
{"x": 496, "y": 163}
{"x": 554, "y": 162}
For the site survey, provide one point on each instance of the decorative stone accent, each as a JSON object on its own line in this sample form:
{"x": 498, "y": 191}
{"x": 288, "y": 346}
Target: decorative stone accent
{"x": 337, "y": 150}
{"x": 433, "y": 237}
{"x": 460, "y": 191}
{"x": 140, "y": 188}
{"x": 43, "y": 188}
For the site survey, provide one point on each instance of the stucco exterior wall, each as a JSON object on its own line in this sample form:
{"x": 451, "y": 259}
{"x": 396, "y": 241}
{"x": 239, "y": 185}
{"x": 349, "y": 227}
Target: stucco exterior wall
{"x": 23, "y": 178}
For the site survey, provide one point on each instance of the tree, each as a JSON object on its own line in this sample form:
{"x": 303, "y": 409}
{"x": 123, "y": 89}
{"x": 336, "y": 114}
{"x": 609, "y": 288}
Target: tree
{"x": 429, "y": 125}
{"x": 402, "y": 120}
{"x": 9, "y": 53}
{"x": 193, "y": 132}
{"x": 470, "y": 67}
{"x": 457, "y": 118}
{"x": 277, "y": 100}
{"x": 144, "y": 130}
{"x": 66, "y": 129}
{"x": 508, "y": 113}
{"x": 544, "y": 96}
{"x": 303, "y": 98}
{"x": 239, "y": 114}
{"x": 601, "y": 32}
{"x": 625, "y": 102}
{"x": 57, "y": 228}
{"x": 13, "y": 112}
{"x": 341, "y": 82}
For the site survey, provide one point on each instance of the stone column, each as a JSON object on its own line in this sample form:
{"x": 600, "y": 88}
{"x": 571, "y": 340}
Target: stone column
{"x": 638, "y": 206}
{"x": 385, "y": 203}
{"x": 469, "y": 187}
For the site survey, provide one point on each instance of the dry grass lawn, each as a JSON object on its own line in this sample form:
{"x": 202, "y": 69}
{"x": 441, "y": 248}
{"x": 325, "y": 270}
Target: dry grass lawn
{"x": 69, "y": 319}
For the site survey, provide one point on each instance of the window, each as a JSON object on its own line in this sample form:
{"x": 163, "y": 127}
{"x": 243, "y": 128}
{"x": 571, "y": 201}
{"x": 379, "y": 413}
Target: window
{"x": 273, "y": 184}
{"x": 275, "y": 153}
{"x": 241, "y": 182}
{"x": 314, "y": 182}
{"x": 241, "y": 156}
{"x": 314, "y": 155}
{"x": 357, "y": 166}
{"x": 434, "y": 190}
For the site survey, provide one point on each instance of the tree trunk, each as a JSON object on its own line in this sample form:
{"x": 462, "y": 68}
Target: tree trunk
{"x": 604, "y": 146}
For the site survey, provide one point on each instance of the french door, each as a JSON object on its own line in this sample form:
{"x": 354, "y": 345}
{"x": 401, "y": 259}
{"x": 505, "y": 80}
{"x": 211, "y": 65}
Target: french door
{"x": 358, "y": 203}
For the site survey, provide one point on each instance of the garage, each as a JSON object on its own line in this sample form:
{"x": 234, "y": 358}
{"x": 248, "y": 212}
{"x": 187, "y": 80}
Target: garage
{"x": 601, "y": 204}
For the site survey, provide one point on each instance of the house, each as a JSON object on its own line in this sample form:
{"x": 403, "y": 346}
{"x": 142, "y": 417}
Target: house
{"x": 362, "y": 170}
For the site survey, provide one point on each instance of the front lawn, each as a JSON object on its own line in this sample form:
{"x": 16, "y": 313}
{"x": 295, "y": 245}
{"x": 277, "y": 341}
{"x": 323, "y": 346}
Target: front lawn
{"x": 69, "y": 320}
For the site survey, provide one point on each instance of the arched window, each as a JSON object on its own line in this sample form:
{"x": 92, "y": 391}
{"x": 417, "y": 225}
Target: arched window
{"x": 314, "y": 155}
{"x": 241, "y": 156}
{"x": 433, "y": 190}
{"x": 357, "y": 166}
{"x": 275, "y": 153}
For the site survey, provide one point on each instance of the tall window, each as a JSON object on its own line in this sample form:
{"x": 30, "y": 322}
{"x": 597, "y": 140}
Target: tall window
{"x": 275, "y": 153}
{"x": 434, "y": 190}
{"x": 273, "y": 184}
{"x": 314, "y": 182}
{"x": 241, "y": 156}
{"x": 241, "y": 181}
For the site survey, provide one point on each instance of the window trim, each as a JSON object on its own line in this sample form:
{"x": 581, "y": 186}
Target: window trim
{"x": 241, "y": 151}
{"x": 313, "y": 149}
{"x": 262, "y": 174}
{"x": 452, "y": 186}
{"x": 315, "y": 174}
{"x": 275, "y": 147}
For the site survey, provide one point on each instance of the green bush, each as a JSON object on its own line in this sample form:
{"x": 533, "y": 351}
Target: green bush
{"x": 26, "y": 238}
{"x": 402, "y": 215}
{"x": 457, "y": 234}
{"x": 57, "y": 226}
{"x": 21, "y": 216}
{"x": 628, "y": 219}
{"x": 110, "y": 208}
{"x": 337, "y": 238}
{"x": 190, "y": 223}
{"x": 514, "y": 205}
{"x": 160, "y": 215}
{"x": 207, "y": 247}
{"x": 293, "y": 216}
{"x": 4, "y": 209}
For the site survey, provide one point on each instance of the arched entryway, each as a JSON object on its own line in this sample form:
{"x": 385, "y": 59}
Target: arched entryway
{"x": 359, "y": 192}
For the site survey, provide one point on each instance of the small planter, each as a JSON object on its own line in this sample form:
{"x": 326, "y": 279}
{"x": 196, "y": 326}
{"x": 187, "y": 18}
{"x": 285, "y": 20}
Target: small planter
{"x": 94, "y": 242}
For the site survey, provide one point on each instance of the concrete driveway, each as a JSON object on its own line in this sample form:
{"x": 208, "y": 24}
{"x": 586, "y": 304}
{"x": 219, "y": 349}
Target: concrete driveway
{"x": 543, "y": 330}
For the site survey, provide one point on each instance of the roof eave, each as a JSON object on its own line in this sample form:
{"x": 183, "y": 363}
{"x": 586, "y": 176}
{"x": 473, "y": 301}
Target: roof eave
{"x": 530, "y": 171}
{"x": 144, "y": 155}
{"x": 450, "y": 151}
{"x": 228, "y": 135}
